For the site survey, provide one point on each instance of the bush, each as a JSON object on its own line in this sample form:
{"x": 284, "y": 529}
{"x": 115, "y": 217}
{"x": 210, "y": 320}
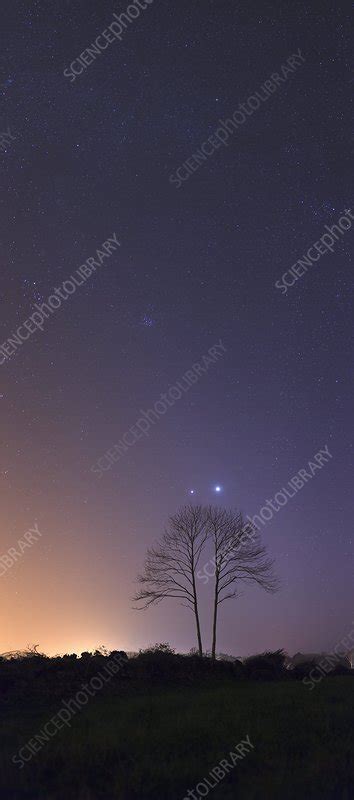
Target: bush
{"x": 268, "y": 666}
{"x": 238, "y": 669}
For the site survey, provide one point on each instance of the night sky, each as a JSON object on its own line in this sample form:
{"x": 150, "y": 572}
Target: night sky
{"x": 195, "y": 265}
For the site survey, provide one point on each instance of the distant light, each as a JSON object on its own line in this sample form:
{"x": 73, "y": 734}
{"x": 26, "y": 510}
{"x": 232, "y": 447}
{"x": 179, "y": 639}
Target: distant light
{"x": 191, "y": 491}
{"x": 218, "y": 488}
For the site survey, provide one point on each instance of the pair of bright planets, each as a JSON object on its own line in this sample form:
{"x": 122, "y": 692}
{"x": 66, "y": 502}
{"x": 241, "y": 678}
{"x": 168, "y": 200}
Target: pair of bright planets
{"x": 216, "y": 489}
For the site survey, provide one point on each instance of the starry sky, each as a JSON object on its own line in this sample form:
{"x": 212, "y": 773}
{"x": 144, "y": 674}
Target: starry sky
{"x": 196, "y": 265}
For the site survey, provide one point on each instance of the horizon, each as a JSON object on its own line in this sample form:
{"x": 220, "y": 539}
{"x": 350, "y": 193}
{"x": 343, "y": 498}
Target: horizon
{"x": 132, "y": 653}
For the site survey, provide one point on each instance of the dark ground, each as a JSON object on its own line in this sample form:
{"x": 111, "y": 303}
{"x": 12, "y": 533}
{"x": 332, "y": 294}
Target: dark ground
{"x": 158, "y": 743}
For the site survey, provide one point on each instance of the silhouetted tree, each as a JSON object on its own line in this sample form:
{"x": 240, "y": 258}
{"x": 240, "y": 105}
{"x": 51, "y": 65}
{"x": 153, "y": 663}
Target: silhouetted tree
{"x": 170, "y": 566}
{"x": 239, "y": 557}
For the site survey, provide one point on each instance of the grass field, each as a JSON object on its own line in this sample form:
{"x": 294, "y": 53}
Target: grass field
{"x": 158, "y": 744}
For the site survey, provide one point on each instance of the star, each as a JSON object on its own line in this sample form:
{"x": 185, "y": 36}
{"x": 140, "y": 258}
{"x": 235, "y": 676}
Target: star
{"x": 147, "y": 321}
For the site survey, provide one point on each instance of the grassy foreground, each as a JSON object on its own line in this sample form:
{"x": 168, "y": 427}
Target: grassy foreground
{"x": 159, "y": 743}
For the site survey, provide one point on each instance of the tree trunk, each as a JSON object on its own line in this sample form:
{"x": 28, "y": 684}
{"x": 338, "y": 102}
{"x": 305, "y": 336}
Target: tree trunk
{"x": 213, "y": 649}
{"x": 196, "y": 614}
{"x": 200, "y": 647}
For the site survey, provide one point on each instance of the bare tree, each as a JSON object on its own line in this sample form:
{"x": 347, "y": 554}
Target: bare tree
{"x": 239, "y": 557}
{"x": 170, "y": 566}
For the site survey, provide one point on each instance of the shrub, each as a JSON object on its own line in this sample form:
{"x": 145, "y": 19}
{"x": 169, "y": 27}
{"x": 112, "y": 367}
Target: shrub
{"x": 266, "y": 666}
